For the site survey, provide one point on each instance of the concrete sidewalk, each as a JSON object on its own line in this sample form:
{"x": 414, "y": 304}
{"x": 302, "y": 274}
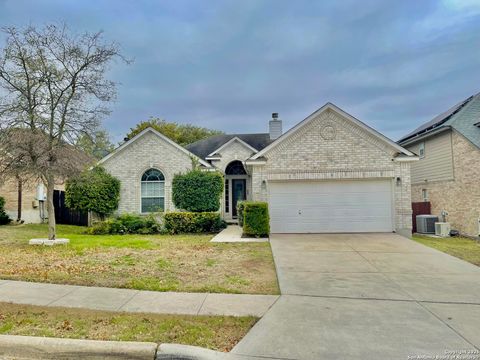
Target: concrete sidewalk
{"x": 126, "y": 300}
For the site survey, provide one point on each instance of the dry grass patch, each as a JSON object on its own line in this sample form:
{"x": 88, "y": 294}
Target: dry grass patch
{"x": 146, "y": 262}
{"x": 213, "y": 332}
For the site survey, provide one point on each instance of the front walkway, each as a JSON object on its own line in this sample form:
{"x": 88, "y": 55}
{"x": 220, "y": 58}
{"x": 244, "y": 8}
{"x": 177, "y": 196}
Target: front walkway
{"x": 110, "y": 299}
{"x": 367, "y": 296}
{"x": 233, "y": 233}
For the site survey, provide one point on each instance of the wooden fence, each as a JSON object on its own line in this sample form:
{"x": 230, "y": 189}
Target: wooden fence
{"x": 64, "y": 215}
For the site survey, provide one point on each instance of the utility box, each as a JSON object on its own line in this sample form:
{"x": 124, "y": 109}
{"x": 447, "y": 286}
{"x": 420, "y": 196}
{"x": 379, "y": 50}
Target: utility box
{"x": 442, "y": 229}
{"x": 41, "y": 196}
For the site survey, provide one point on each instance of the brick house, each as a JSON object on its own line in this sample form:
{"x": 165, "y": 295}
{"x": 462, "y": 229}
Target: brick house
{"x": 448, "y": 172}
{"x": 32, "y": 210}
{"x": 329, "y": 173}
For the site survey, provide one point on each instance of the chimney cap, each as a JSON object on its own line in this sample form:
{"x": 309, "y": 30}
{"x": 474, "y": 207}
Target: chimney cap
{"x": 275, "y": 115}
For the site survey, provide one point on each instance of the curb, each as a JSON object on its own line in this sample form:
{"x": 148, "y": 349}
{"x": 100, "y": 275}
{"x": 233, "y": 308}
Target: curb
{"x": 31, "y": 347}
{"x": 44, "y": 348}
{"x": 186, "y": 352}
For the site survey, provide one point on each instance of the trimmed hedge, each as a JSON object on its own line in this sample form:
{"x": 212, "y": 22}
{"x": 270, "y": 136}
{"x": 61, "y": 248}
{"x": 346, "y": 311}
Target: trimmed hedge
{"x": 4, "y": 218}
{"x": 127, "y": 224}
{"x": 193, "y": 222}
{"x": 256, "y": 220}
{"x": 197, "y": 191}
{"x": 240, "y": 213}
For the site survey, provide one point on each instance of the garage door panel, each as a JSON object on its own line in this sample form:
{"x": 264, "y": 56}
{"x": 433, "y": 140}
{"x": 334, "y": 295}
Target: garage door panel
{"x": 331, "y": 206}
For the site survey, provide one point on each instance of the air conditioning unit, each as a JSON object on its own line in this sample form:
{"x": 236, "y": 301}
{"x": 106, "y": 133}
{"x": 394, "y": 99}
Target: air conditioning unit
{"x": 442, "y": 229}
{"x": 426, "y": 224}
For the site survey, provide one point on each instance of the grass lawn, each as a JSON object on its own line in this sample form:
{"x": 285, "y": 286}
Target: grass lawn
{"x": 213, "y": 332}
{"x": 463, "y": 248}
{"x": 189, "y": 263}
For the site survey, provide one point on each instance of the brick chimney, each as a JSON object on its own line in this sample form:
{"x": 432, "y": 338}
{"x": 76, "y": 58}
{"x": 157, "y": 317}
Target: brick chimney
{"x": 275, "y": 127}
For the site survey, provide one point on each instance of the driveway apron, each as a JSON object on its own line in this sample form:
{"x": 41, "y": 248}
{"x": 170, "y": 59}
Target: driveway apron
{"x": 367, "y": 296}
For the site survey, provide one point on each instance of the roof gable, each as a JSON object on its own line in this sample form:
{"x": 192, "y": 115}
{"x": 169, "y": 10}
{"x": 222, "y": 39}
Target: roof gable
{"x": 204, "y": 148}
{"x": 161, "y": 136}
{"x": 337, "y": 110}
{"x": 231, "y": 141}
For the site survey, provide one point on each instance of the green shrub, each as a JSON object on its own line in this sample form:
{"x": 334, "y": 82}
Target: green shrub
{"x": 99, "y": 228}
{"x": 4, "y": 218}
{"x": 197, "y": 191}
{"x": 127, "y": 224}
{"x": 240, "y": 213}
{"x": 256, "y": 221}
{"x": 193, "y": 222}
{"x": 93, "y": 190}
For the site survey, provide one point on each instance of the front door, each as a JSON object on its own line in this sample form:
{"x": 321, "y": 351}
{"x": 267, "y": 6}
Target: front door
{"x": 238, "y": 193}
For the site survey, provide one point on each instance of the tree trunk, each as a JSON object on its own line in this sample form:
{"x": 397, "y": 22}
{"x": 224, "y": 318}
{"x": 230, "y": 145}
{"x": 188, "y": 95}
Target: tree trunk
{"x": 50, "y": 207}
{"x": 19, "y": 200}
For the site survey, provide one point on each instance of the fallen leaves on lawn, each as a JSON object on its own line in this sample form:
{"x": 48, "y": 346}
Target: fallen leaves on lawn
{"x": 170, "y": 265}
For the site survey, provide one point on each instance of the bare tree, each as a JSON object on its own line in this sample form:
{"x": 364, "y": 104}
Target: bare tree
{"x": 53, "y": 87}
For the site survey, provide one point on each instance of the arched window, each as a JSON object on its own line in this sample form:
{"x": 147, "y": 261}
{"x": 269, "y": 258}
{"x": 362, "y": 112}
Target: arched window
{"x": 153, "y": 191}
{"x": 235, "y": 168}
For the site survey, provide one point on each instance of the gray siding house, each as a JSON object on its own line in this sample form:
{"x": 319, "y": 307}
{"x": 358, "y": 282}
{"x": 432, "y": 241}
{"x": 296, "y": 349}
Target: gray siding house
{"x": 448, "y": 171}
{"x": 329, "y": 173}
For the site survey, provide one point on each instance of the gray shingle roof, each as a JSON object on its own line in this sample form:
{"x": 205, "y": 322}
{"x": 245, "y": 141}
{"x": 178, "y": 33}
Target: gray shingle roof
{"x": 203, "y": 148}
{"x": 462, "y": 117}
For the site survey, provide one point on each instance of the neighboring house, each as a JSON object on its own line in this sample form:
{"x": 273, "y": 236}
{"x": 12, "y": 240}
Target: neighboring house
{"x": 329, "y": 173}
{"x": 448, "y": 172}
{"x": 30, "y": 195}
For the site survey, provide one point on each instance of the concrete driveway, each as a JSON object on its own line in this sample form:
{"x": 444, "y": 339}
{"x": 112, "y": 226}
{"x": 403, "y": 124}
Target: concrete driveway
{"x": 367, "y": 296}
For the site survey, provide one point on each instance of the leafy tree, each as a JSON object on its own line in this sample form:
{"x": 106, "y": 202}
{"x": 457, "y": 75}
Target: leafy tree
{"x": 197, "y": 190}
{"x": 52, "y": 86}
{"x": 93, "y": 190}
{"x": 182, "y": 134}
{"x": 96, "y": 144}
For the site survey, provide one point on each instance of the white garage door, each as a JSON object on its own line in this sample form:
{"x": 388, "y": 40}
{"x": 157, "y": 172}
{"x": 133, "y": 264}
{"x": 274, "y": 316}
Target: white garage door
{"x": 330, "y": 206}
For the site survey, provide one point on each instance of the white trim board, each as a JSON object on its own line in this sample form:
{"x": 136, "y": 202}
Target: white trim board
{"x": 336, "y": 109}
{"x": 161, "y": 136}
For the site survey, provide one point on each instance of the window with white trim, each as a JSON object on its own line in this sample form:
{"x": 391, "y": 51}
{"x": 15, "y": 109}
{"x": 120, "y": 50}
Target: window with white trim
{"x": 425, "y": 195}
{"x": 421, "y": 150}
{"x": 153, "y": 191}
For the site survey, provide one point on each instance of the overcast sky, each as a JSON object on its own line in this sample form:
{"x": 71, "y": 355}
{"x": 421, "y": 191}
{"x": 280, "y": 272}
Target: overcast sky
{"x": 229, "y": 64}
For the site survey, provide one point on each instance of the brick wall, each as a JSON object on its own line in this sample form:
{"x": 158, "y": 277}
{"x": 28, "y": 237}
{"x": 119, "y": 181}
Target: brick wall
{"x": 461, "y": 196}
{"x": 129, "y": 164}
{"x": 234, "y": 151}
